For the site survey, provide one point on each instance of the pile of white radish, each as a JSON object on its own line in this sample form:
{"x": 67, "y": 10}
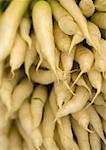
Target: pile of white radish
{"x": 53, "y": 75}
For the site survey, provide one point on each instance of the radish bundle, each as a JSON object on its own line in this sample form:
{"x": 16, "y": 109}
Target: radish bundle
{"x": 53, "y": 75}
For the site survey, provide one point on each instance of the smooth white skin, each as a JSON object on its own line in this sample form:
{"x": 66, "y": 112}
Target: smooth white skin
{"x": 67, "y": 60}
{"x": 95, "y": 121}
{"x": 87, "y": 7}
{"x": 44, "y": 32}
{"x": 66, "y": 135}
{"x": 42, "y": 76}
{"x": 22, "y": 91}
{"x": 4, "y": 142}
{"x": 101, "y": 110}
{"x": 25, "y": 27}
{"x": 48, "y": 128}
{"x": 99, "y": 18}
{"x": 15, "y": 140}
{"x": 62, "y": 40}
{"x": 7, "y": 88}
{"x": 84, "y": 57}
{"x": 18, "y": 52}
{"x": 38, "y": 101}
{"x": 8, "y": 28}
{"x": 100, "y": 63}
{"x": 30, "y": 56}
{"x": 82, "y": 118}
{"x": 64, "y": 19}
{"x": 75, "y": 104}
{"x": 100, "y": 5}
{"x": 76, "y": 13}
{"x": 95, "y": 141}
{"x": 82, "y": 135}
{"x": 25, "y": 118}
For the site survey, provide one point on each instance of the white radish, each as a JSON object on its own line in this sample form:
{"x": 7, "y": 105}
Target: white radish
{"x": 100, "y": 63}
{"x": 84, "y": 57}
{"x": 25, "y": 26}
{"x": 95, "y": 121}
{"x": 30, "y": 56}
{"x": 62, "y": 94}
{"x": 44, "y": 32}
{"x": 67, "y": 60}
{"x": 87, "y": 7}
{"x": 82, "y": 119}
{"x": 95, "y": 141}
{"x": 66, "y": 135}
{"x": 38, "y": 101}
{"x": 62, "y": 40}
{"x": 76, "y": 103}
{"x": 100, "y": 5}
{"x": 63, "y": 18}
{"x": 9, "y": 27}
{"x": 57, "y": 139}
{"x": 25, "y": 146}
{"x": 101, "y": 110}
{"x": 96, "y": 81}
{"x": 104, "y": 125}
{"x": 99, "y": 100}
{"x": 99, "y": 18}
{"x": 81, "y": 134}
{"x": 4, "y": 123}
{"x": 22, "y": 91}
{"x": 25, "y": 135}
{"x": 15, "y": 140}
{"x": 103, "y": 90}
{"x": 42, "y": 76}
{"x": 4, "y": 142}
{"x": 81, "y": 82}
{"x": 48, "y": 129}
{"x": 7, "y": 88}
{"x": 95, "y": 35}
{"x": 27, "y": 124}
{"x": 17, "y": 55}
{"x": 1, "y": 71}
{"x": 74, "y": 10}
